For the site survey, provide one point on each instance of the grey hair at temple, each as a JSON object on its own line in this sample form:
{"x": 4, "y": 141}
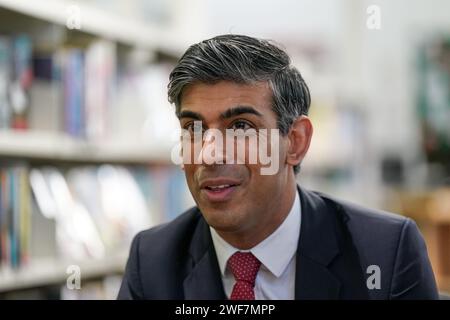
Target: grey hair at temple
{"x": 244, "y": 59}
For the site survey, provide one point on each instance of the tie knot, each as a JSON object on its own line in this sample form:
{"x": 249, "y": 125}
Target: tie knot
{"x": 244, "y": 266}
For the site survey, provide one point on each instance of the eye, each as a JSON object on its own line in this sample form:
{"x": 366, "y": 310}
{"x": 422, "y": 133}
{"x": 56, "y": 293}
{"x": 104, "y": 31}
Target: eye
{"x": 241, "y": 125}
{"x": 194, "y": 127}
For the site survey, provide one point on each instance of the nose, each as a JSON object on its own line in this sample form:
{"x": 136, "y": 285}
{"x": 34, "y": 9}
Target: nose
{"x": 212, "y": 151}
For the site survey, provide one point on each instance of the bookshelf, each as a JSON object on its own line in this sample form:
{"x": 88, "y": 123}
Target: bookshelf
{"x": 43, "y": 146}
{"x": 53, "y": 272}
{"x": 126, "y": 58}
{"x": 101, "y": 24}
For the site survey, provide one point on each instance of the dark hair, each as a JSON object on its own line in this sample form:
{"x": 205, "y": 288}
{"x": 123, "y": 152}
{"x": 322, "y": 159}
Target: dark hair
{"x": 244, "y": 59}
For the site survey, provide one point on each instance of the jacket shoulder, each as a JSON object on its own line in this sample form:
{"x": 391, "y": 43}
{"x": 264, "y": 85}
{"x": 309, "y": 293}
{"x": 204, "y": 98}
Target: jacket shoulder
{"x": 170, "y": 234}
{"x": 376, "y": 235}
{"x": 391, "y": 242}
{"x": 364, "y": 216}
{"x": 158, "y": 259}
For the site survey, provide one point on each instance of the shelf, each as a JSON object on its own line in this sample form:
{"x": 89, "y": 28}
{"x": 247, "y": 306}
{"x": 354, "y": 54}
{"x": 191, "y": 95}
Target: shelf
{"x": 100, "y": 23}
{"x": 50, "y": 272}
{"x": 59, "y": 147}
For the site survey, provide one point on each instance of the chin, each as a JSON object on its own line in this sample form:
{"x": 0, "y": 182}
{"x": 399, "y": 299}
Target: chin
{"x": 222, "y": 220}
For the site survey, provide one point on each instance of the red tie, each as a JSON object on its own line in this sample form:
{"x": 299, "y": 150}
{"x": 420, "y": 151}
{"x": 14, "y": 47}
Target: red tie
{"x": 244, "y": 266}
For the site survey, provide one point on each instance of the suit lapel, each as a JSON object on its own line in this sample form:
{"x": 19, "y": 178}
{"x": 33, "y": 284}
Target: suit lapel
{"x": 317, "y": 247}
{"x": 204, "y": 280}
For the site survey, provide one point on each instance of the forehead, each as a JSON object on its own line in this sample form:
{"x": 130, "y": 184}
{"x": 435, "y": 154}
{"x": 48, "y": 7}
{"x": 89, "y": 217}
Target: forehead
{"x": 215, "y": 98}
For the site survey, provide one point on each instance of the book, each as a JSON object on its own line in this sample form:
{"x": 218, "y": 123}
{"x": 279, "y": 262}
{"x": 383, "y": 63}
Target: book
{"x": 5, "y": 76}
{"x": 21, "y": 81}
{"x": 73, "y": 80}
{"x": 46, "y": 111}
{"x": 15, "y": 216}
{"x": 100, "y": 79}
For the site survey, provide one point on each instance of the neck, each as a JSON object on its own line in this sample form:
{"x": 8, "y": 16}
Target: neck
{"x": 263, "y": 228}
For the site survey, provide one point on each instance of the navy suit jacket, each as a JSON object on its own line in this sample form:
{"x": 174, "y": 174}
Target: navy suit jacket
{"x": 338, "y": 242}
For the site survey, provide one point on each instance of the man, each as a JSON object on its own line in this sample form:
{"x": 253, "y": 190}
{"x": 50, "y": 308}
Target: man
{"x": 260, "y": 236}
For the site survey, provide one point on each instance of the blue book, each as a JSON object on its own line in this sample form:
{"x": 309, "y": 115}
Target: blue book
{"x": 74, "y": 93}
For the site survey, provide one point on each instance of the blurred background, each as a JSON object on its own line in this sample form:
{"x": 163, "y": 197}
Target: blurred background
{"x": 86, "y": 130}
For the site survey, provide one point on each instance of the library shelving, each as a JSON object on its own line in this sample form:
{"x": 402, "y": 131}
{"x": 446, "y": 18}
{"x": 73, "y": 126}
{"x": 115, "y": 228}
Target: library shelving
{"x": 73, "y": 106}
{"x": 41, "y": 146}
{"x": 53, "y": 272}
{"x": 100, "y": 23}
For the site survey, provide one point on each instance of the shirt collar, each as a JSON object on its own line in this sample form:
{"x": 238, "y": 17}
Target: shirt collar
{"x": 275, "y": 252}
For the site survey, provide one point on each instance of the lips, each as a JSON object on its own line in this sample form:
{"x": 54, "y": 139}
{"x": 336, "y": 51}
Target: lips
{"x": 219, "y": 190}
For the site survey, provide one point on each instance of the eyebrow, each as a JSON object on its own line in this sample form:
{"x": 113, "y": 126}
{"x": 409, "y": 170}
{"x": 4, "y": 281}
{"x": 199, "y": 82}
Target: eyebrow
{"x": 230, "y": 113}
{"x": 189, "y": 114}
{"x": 238, "y": 110}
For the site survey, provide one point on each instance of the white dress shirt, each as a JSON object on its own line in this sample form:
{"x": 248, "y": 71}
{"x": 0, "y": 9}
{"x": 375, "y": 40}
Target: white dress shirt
{"x": 276, "y": 276}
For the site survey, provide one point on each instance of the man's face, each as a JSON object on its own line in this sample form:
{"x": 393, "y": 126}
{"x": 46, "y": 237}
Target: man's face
{"x": 233, "y": 197}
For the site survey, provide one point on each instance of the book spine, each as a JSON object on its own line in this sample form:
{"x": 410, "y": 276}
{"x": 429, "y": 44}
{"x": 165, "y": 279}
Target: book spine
{"x": 24, "y": 215}
{"x": 13, "y": 241}
{"x": 15, "y": 216}
{"x": 5, "y": 217}
{"x": 22, "y": 80}
{"x": 5, "y": 74}
{"x": 1, "y": 217}
{"x": 74, "y": 92}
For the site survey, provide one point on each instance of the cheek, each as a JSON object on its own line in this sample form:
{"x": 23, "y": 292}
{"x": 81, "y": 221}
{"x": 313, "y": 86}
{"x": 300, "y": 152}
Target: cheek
{"x": 258, "y": 184}
{"x": 189, "y": 172}
{"x": 283, "y": 149}
{"x": 261, "y": 187}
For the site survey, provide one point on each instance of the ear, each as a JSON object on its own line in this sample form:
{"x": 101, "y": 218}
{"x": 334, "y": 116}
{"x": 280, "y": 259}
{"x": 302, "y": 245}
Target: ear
{"x": 299, "y": 138}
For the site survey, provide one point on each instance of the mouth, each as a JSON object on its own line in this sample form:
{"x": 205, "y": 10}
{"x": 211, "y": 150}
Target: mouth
{"x": 219, "y": 190}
